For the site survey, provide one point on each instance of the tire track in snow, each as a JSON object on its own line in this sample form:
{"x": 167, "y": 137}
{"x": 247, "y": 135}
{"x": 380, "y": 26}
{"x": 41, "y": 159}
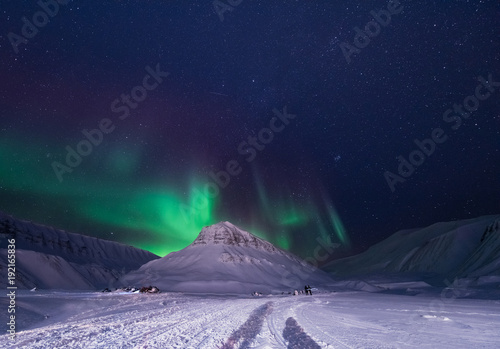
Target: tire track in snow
{"x": 250, "y": 329}
{"x": 296, "y": 337}
{"x": 287, "y": 308}
{"x": 211, "y": 327}
{"x": 129, "y": 327}
{"x": 195, "y": 329}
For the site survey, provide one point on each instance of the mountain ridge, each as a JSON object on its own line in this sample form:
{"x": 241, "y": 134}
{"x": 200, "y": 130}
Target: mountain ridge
{"x": 46, "y": 257}
{"x": 466, "y": 248}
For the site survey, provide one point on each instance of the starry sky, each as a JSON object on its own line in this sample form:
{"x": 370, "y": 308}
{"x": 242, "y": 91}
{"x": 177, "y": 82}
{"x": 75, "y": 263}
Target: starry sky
{"x": 143, "y": 121}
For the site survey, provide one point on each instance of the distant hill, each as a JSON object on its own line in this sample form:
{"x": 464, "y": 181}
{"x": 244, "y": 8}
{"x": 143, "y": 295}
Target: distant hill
{"x": 463, "y": 249}
{"x": 54, "y": 259}
{"x": 227, "y": 259}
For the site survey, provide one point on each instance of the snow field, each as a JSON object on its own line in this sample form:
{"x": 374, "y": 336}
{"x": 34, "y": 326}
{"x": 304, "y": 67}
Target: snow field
{"x": 326, "y": 320}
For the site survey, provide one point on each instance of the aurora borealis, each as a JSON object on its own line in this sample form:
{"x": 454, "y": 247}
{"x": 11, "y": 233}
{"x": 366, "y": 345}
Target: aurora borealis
{"x": 222, "y": 105}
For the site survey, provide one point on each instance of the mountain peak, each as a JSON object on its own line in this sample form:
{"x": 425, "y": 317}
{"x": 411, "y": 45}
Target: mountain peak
{"x": 226, "y": 233}
{"x": 227, "y": 259}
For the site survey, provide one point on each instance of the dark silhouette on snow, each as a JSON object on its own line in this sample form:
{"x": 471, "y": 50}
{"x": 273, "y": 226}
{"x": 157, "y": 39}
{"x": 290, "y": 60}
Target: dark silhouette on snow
{"x": 250, "y": 329}
{"x": 296, "y": 337}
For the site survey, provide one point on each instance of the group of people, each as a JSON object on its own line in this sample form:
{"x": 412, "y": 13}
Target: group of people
{"x": 307, "y": 291}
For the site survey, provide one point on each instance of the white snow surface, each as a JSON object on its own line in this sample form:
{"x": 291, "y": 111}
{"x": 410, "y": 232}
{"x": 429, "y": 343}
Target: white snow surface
{"x": 227, "y": 259}
{"x": 49, "y": 319}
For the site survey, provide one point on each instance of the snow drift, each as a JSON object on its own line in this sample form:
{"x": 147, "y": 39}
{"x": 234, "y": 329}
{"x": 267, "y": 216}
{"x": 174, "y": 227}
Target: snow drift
{"x": 51, "y": 258}
{"x": 226, "y": 259}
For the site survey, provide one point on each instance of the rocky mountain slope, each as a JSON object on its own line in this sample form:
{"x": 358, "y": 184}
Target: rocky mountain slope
{"x": 459, "y": 249}
{"x": 52, "y": 258}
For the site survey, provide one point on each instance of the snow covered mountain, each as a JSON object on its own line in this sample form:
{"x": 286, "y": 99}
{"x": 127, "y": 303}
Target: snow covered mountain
{"x": 226, "y": 259}
{"x": 51, "y": 258}
{"x": 464, "y": 249}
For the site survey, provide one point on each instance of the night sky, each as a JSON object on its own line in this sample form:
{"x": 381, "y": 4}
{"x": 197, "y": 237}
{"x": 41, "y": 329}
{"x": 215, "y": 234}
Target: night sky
{"x": 308, "y": 117}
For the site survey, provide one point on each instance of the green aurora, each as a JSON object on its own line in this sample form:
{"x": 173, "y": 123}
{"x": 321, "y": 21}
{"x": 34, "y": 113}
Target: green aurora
{"x": 157, "y": 217}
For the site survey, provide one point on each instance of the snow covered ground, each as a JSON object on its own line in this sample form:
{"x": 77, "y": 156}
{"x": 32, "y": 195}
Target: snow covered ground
{"x": 49, "y": 319}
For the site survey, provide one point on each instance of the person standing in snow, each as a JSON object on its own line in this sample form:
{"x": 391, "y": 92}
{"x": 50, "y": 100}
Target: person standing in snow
{"x": 306, "y": 290}
{"x": 309, "y": 289}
